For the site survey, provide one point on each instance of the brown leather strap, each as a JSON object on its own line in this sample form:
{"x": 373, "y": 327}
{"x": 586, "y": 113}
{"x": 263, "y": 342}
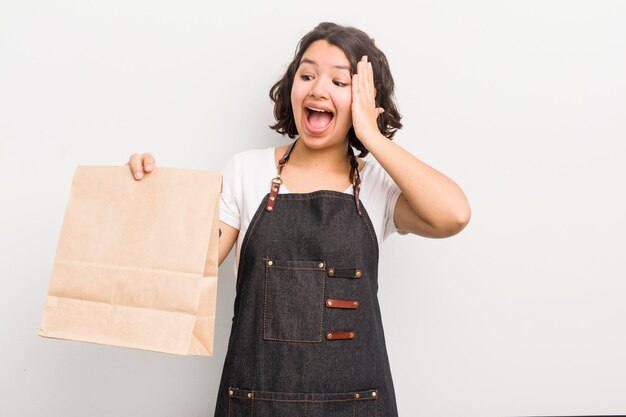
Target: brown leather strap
{"x": 283, "y": 161}
{"x": 269, "y": 206}
{"x": 276, "y": 182}
{"x": 340, "y": 335}
{"x": 344, "y": 272}
{"x": 351, "y": 304}
{"x": 355, "y": 177}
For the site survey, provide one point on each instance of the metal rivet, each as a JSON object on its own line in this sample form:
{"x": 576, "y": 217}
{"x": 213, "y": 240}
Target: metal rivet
{"x": 331, "y": 271}
{"x": 356, "y": 395}
{"x": 358, "y": 273}
{"x": 373, "y": 393}
{"x": 274, "y": 189}
{"x": 250, "y": 395}
{"x": 231, "y": 392}
{"x": 270, "y": 208}
{"x": 272, "y": 198}
{"x": 270, "y": 263}
{"x": 329, "y": 303}
{"x": 321, "y": 265}
{"x": 356, "y": 304}
{"x": 329, "y": 336}
{"x": 351, "y": 335}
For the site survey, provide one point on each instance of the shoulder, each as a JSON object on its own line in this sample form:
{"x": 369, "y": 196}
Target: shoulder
{"x": 251, "y": 160}
{"x": 246, "y": 174}
{"x": 252, "y": 156}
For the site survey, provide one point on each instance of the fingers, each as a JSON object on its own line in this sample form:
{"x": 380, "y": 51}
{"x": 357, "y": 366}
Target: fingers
{"x": 148, "y": 162}
{"x": 365, "y": 78}
{"x": 364, "y": 110}
{"x": 363, "y": 88}
{"x": 370, "y": 74}
{"x": 141, "y": 164}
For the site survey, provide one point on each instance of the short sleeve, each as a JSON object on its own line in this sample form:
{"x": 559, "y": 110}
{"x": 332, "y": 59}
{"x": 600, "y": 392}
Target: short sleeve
{"x": 393, "y": 192}
{"x": 379, "y": 194}
{"x": 232, "y": 193}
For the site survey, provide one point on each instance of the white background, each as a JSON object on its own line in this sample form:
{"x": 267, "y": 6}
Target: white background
{"x": 522, "y": 103}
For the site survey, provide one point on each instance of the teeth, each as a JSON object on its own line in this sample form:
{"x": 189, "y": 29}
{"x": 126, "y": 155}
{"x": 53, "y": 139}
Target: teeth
{"x": 318, "y": 110}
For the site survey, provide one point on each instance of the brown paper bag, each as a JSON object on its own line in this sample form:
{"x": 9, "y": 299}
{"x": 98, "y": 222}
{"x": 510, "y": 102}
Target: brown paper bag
{"x": 136, "y": 262}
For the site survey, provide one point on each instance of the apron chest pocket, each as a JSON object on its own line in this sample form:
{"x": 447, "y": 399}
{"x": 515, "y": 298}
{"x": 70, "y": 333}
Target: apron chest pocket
{"x": 293, "y": 300}
{"x": 247, "y": 403}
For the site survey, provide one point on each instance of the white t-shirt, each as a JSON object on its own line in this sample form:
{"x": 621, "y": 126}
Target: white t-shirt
{"x": 248, "y": 176}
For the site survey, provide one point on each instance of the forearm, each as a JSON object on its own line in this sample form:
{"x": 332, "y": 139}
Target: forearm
{"x": 228, "y": 237}
{"x": 432, "y": 196}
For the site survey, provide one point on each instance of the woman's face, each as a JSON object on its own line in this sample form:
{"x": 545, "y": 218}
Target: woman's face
{"x": 321, "y": 96}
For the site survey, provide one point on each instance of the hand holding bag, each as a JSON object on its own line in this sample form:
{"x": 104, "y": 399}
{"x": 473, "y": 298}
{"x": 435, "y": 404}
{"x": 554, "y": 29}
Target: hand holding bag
{"x": 136, "y": 262}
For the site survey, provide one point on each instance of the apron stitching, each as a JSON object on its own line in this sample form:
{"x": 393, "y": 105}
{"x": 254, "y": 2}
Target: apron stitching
{"x": 306, "y": 402}
{"x": 295, "y": 267}
{"x": 292, "y": 340}
{"x": 322, "y": 312}
{"x": 264, "y": 302}
{"x": 297, "y": 197}
{"x": 376, "y": 407}
{"x": 372, "y": 234}
{"x": 265, "y": 337}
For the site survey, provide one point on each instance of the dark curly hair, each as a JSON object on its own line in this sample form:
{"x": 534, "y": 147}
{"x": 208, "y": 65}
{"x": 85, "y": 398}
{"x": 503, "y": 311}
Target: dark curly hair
{"x": 354, "y": 43}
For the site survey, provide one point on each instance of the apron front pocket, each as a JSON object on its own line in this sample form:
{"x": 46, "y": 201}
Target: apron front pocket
{"x": 244, "y": 403}
{"x": 293, "y": 300}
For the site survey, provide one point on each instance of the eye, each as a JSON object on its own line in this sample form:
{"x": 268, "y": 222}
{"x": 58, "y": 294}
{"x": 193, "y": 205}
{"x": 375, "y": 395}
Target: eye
{"x": 306, "y": 77}
{"x": 340, "y": 84}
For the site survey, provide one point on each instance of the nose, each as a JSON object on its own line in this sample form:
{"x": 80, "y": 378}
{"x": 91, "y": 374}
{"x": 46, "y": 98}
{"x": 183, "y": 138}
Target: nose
{"x": 318, "y": 89}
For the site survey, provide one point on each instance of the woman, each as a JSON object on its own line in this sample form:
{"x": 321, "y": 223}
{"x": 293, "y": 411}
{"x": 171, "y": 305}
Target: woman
{"x": 307, "y": 336}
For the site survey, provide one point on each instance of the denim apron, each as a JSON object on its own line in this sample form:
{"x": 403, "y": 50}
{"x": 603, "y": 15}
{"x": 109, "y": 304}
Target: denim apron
{"x": 307, "y": 337}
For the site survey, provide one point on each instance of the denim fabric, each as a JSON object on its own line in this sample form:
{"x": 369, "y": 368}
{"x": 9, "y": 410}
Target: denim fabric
{"x": 279, "y": 362}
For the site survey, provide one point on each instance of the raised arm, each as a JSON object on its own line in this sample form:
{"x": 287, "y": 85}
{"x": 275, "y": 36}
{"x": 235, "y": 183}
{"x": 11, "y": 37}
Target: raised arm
{"x": 431, "y": 204}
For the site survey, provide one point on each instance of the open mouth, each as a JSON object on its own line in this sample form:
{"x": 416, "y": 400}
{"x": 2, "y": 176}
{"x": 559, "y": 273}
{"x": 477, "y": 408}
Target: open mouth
{"x": 318, "y": 119}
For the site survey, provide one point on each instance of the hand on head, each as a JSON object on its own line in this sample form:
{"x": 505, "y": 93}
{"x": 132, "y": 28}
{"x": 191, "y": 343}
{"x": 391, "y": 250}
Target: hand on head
{"x": 364, "y": 110}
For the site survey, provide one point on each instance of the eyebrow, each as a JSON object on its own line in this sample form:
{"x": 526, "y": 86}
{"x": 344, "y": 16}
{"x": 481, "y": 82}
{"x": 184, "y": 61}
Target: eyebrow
{"x": 310, "y": 61}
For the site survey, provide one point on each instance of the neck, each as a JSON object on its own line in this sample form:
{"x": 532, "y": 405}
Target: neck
{"x": 330, "y": 158}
